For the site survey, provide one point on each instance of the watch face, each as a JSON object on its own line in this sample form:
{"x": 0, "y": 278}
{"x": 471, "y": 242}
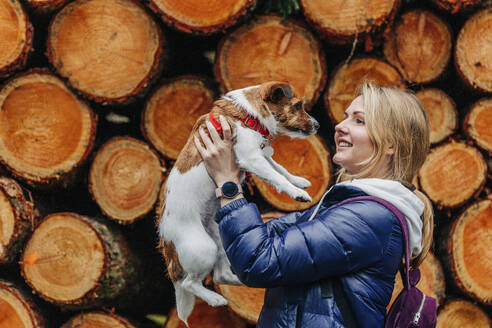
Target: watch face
{"x": 229, "y": 189}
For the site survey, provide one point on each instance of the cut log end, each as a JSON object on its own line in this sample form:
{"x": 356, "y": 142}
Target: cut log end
{"x": 472, "y": 51}
{"x": 17, "y": 309}
{"x": 471, "y": 250}
{"x": 125, "y": 178}
{"x": 199, "y": 17}
{"x": 478, "y": 122}
{"x": 452, "y": 174}
{"x": 441, "y": 110}
{"x": 340, "y": 21}
{"x": 16, "y": 33}
{"x": 456, "y": 6}
{"x": 275, "y": 46}
{"x": 205, "y": 316}
{"x": 419, "y": 46}
{"x": 46, "y": 133}
{"x": 109, "y": 50}
{"x": 460, "y": 313}
{"x": 64, "y": 259}
{"x": 307, "y": 158}
{"x": 342, "y": 87}
{"x": 172, "y": 111}
{"x": 246, "y": 302}
{"x": 98, "y": 320}
{"x": 45, "y": 7}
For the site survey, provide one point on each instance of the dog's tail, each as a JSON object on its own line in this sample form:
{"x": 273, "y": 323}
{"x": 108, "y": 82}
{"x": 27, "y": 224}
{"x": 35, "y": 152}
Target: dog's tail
{"x": 185, "y": 301}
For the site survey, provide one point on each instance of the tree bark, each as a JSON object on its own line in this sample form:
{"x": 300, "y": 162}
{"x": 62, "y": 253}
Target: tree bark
{"x": 459, "y": 313}
{"x": 441, "y": 110}
{"x": 307, "y": 158}
{"x": 98, "y": 319}
{"x": 205, "y": 316}
{"x": 346, "y": 78}
{"x": 472, "y": 51}
{"x": 18, "y": 308}
{"x": 16, "y": 33}
{"x": 45, "y": 7}
{"x": 452, "y": 174}
{"x": 199, "y": 17}
{"x": 466, "y": 251}
{"x": 342, "y": 21}
{"x": 419, "y": 46}
{"x": 18, "y": 216}
{"x": 431, "y": 282}
{"x": 456, "y": 6}
{"x": 109, "y": 64}
{"x": 78, "y": 262}
{"x": 125, "y": 178}
{"x": 46, "y": 132}
{"x": 171, "y": 113}
{"x": 267, "y": 49}
{"x": 478, "y": 122}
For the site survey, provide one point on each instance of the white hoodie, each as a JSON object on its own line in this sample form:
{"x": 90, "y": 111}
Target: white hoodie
{"x": 401, "y": 197}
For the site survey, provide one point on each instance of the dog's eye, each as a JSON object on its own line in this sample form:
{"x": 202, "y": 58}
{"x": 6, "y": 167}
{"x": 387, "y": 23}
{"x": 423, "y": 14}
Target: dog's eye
{"x": 298, "y": 106}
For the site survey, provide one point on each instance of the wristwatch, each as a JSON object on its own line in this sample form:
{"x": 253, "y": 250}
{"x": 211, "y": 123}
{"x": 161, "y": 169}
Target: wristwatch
{"x": 228, "y": 190}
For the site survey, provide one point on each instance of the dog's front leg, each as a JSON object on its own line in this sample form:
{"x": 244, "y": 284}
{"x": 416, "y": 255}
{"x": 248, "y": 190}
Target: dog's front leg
{"x": 295, "y": 180}
{"x": 260, "y": 166}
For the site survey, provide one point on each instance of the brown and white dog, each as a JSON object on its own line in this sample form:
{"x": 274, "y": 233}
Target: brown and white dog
{"x": 188, "y": 233}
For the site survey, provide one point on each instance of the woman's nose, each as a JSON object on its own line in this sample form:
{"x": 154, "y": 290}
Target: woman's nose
{"x": 340, "y": 127}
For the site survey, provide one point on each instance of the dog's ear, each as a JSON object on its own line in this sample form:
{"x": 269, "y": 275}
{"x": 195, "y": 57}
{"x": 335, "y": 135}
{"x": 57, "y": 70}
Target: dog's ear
{"x": 278, "y": 92}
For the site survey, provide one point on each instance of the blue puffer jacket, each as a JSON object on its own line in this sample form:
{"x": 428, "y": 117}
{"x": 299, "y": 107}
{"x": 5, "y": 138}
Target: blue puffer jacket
{"x": 360, "y": 242}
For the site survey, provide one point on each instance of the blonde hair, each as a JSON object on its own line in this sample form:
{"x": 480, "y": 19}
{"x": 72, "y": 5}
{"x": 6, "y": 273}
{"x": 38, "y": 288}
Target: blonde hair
{"x": 398, "y": 119}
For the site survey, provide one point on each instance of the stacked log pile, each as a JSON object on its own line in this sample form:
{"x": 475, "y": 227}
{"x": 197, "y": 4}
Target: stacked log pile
{"x": 97, "y": 98}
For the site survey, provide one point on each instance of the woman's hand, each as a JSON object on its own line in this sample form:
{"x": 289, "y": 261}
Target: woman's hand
{"x": 217, "y": 154}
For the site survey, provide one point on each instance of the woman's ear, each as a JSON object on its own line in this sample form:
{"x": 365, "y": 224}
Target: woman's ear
{"x": 389, "y": 149}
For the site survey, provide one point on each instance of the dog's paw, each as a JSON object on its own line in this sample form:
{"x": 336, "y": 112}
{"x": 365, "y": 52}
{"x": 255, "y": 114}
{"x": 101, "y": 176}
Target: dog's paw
{"x": 300, "y": 182}
{"x": 216, "y": 300}
{"x": 300, "y": 195}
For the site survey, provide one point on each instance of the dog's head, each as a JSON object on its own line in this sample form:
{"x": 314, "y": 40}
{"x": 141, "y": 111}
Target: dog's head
{"x": 275, "y": 104}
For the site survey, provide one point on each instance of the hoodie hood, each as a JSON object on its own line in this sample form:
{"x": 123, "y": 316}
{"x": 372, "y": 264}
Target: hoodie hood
{"x": 402, "y": 198}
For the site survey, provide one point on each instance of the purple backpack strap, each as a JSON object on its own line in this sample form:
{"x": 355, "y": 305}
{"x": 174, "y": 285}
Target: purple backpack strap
{"x": 404, "y": 227}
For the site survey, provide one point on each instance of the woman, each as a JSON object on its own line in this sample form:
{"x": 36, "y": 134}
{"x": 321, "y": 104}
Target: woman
{"x": 355, "y": 248}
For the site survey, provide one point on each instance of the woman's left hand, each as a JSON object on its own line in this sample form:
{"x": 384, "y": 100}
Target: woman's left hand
{"x": 217, "y": 153}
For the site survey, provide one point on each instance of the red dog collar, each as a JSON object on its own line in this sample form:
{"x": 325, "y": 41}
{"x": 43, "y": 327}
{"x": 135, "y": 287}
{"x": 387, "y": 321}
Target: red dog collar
{"x": 250, "y": 121}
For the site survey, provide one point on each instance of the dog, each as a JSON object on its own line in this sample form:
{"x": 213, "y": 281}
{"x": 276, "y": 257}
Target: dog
{"x": 189, "y": 236}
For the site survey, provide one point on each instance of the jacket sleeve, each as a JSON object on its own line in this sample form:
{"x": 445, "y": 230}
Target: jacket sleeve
{"x": 341, "y": 240}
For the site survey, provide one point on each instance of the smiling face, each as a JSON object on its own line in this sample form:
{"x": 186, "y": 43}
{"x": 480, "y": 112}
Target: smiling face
{"x": 353, "y": 144}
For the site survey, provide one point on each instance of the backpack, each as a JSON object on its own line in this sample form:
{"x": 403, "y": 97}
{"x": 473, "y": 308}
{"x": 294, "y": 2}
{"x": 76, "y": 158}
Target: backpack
{"x": 411, "y": 308}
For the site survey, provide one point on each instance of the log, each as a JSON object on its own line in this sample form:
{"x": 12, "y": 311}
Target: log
{"x": 45, "y": 7}
{"x": 308, "y": 158}
{"x": 477, "y": 124}
{"x": 18, "y": 308}
{"x": 17, "y": 219}
{"x": 456, "y": 6}
{"x": 419, "y": 46}
{"x": 108, "y": 50}
{"x": 171, "y": 112}
{"x": 452, "y": 174}
{"x": 16, "y": 33}
{"x": 271, "y": 49}
{"x": 78, "y": 262}
{"x": 46, "y": 132}
{"x": 441, "y": 110}
{"x": 467, "y": 251}
{"x": 205, "y": 316}
{"x": 201, "y": 17}
{"x": 342, "y": 21}
{"x": 459, "y": 313}
{"x": 346, "y": 78}
{"x": 432, "y": 282}
{"x": 246, "y": 302}
{"x": 125, "y": 178}
{"x": 472, "y": 51}
{"x": 98, "y": 319}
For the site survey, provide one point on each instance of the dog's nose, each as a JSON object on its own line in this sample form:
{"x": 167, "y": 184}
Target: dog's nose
{"x": 315, "y": 124}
